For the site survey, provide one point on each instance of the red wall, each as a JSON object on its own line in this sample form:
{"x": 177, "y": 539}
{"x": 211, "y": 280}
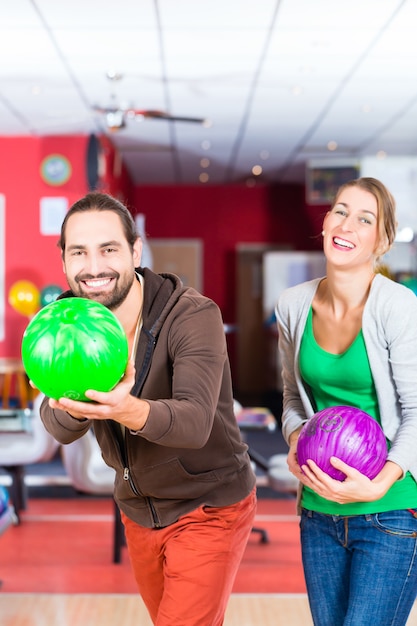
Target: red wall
{"x": 221, "y": 217}
{"x": 29, "y": 255}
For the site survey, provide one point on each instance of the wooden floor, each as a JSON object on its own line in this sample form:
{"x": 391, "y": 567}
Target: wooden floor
{"x": 129, "y": 610}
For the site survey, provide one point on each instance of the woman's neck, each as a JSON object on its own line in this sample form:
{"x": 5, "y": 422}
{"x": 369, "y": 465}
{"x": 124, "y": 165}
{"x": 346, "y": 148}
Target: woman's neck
{"x": 346, "y": 290}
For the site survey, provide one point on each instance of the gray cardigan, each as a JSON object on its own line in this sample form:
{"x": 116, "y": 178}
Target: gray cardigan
{"x": 389, "y": 326}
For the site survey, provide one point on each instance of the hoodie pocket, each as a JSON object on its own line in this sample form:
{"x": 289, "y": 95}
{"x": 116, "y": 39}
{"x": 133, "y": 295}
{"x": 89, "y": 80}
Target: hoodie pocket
{"x": 170, "y": 480}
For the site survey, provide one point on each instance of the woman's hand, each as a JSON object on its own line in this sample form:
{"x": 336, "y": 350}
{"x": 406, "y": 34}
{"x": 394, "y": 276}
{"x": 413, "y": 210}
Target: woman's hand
{"x": 355, "y": 488}
{"x": 292, "y": 459}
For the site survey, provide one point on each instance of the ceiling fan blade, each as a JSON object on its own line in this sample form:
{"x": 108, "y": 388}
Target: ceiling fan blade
{"x": 161, "y": 115}
{"x": 116, "y": 116}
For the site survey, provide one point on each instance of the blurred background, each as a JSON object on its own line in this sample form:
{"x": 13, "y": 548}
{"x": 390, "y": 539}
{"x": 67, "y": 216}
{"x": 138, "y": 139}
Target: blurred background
{"x": 225, "y": 127}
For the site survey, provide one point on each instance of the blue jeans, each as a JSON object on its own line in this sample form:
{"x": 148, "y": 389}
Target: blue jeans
{"x": 360, "y": 570}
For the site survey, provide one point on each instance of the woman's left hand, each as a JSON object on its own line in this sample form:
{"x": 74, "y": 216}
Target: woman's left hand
{"x": 355, "y": 488}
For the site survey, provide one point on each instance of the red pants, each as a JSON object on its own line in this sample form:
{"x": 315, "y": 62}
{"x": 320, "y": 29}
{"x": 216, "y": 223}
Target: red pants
{"x": 185, "y": 572}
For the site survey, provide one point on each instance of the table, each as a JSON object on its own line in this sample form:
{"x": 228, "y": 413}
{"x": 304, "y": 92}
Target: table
{"x": 13, "y": 378}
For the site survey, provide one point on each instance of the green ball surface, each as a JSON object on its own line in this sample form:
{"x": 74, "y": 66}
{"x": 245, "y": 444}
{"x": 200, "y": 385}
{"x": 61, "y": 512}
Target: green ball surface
{"x": 72, "y": 345}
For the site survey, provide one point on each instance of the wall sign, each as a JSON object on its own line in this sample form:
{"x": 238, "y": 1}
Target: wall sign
{"x": 52, "y": 213}
{"x": 56, "y": 169}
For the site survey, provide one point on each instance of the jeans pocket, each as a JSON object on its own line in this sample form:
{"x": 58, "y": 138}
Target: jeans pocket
{"x": 400, "y": 523}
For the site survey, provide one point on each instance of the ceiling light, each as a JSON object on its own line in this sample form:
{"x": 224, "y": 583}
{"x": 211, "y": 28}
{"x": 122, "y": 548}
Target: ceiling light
{"x": 203, "y": 178}
{"x": 112, "y": 74}
{"x": 206, "y": 144}
{"x": 115, "y": 120}
{"x": 332, "y": 146}
{"x": 204, "y": 162}
{"x": 257, "y": 170}
{"x": 306, "y": 69}
{"x": 381, "y": 154}
{"x": 264, "y": 155}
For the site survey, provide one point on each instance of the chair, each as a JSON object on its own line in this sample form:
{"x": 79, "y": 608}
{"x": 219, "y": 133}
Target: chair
{"x": 88, "y": 473}
{"x": 7, "y": 514}
{"x": 252, "y": 419}
{"x": 19, "y": 449}
{"x": 280, "y": 478}
{"x": 275, "y": 472}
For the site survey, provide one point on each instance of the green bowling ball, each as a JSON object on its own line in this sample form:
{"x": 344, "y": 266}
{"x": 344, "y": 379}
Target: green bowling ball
{"x": 72, "y": 345}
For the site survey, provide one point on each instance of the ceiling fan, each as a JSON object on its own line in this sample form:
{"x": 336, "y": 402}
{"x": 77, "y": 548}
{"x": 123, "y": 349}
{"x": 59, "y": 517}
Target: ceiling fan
{"x": 116, "y": 117}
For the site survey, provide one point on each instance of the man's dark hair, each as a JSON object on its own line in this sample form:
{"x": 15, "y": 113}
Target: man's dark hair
{"x": 96, "y": 201}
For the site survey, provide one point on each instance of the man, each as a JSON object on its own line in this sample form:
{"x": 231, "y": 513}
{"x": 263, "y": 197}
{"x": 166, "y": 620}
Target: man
{"x": 184, "y": 483}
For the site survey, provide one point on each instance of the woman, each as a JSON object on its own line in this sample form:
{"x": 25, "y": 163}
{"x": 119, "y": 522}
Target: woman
{"x": 350, "y": 338}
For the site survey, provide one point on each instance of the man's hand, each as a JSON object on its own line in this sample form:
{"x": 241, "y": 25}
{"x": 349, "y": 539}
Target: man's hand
{"x": 118, "y": 404}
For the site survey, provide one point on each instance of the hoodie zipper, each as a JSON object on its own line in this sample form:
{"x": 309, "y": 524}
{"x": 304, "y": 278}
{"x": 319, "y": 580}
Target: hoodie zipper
{"x": 155, "y": 518}
{"x": 146, "y": 363}
{"x": 122, "y": 448}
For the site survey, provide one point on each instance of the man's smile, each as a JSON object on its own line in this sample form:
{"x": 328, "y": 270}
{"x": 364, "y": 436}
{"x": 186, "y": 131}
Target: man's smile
{"x": 97, "y": 283}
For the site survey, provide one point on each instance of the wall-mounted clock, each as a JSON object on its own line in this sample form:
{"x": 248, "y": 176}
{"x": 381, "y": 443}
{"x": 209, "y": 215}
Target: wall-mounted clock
{"x": 56, "y": 169}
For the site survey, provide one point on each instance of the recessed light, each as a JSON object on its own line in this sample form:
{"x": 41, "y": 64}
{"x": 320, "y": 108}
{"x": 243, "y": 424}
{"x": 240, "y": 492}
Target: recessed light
{"x": 112, "y": 74}
{"x": 332, "y": 146}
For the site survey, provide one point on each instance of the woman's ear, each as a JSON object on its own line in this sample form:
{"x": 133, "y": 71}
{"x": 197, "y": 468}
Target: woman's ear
{"x": 382, "y": 247}
{"x": 323, "y": 232}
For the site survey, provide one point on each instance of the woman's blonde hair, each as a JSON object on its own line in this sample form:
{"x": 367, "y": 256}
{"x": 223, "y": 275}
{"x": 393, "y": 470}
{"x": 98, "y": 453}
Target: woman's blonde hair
{"x": 387, "y": 221}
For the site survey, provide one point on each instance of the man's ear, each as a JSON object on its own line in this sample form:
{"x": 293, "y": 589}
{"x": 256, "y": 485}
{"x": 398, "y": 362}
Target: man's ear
{"x": 137, "y": 252}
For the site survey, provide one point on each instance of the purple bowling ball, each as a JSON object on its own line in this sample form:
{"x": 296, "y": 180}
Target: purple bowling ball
{"x": 346, "y": 433}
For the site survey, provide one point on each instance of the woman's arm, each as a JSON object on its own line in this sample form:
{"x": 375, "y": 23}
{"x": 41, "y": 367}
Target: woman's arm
{"x": 293, "y": 415}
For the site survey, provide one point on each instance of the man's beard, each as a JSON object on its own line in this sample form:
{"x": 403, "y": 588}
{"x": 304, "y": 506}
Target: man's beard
{"x": 111, "y": 299}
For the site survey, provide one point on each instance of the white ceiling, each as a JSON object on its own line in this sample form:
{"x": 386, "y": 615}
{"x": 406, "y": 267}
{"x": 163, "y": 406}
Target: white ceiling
{"x": 278, "y": 80}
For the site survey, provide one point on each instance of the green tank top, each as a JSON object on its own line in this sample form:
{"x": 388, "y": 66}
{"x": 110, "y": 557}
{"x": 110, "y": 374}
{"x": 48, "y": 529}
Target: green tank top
{"x": 346, "y": 379}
